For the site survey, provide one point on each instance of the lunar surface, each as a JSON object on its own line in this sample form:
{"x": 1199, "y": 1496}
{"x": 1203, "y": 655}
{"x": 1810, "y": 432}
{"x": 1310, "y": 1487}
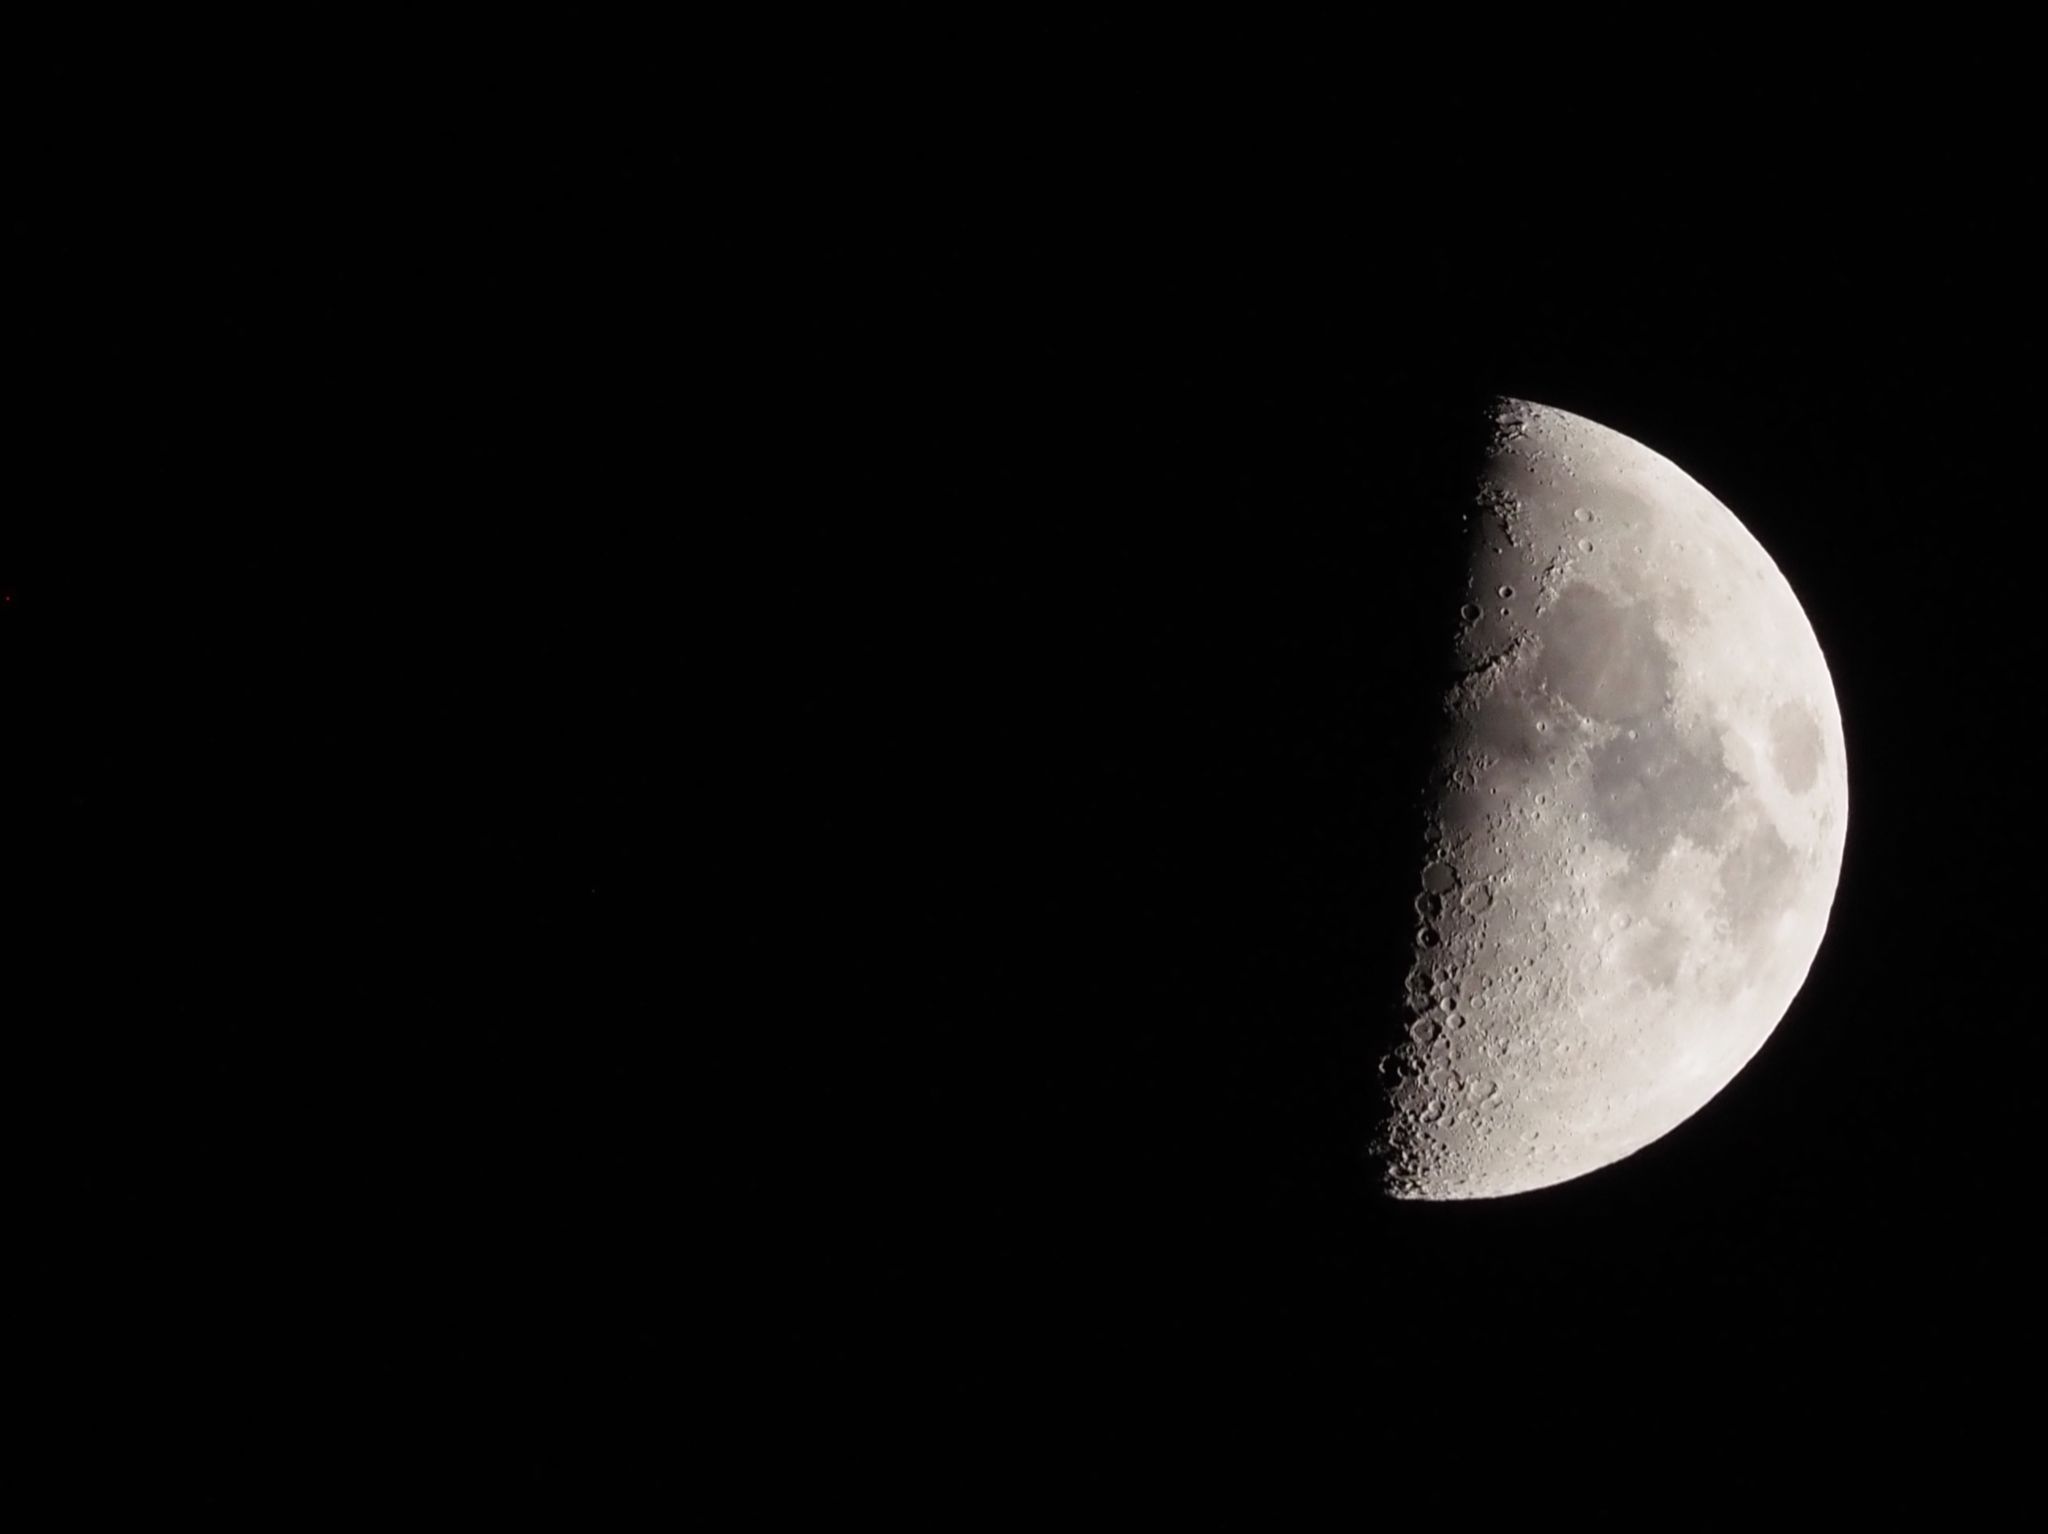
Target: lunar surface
{"x": 1636, "y": 827}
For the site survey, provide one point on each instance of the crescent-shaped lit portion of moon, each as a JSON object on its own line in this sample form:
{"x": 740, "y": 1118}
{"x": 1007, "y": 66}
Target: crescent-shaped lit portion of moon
{"x": 1637, "y": 821}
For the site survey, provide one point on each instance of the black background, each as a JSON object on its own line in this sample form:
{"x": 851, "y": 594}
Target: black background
{"x": 842, "y": 650}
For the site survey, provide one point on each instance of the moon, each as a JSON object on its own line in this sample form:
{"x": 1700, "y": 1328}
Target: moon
{"x": 1635, "y": 823}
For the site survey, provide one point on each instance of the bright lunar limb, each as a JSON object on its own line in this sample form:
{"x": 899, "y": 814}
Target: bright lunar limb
{"x": 1636, "y": 827}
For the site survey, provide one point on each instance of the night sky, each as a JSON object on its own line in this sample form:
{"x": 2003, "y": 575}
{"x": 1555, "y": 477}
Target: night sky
{"x": 1150, "y": 639}
{"x": 819, "y": 708}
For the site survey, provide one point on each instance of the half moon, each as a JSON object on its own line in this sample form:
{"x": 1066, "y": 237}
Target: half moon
{"x": 1636, "y": 821}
